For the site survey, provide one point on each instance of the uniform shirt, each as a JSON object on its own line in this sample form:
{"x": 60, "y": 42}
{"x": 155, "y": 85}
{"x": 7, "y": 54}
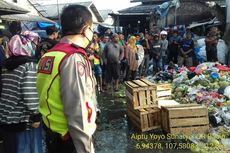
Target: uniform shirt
{"x": 69, "y": 86}
{"x": 78, "y": 94}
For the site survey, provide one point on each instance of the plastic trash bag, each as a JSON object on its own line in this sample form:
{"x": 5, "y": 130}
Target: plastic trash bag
{"x": 222, "y": 51}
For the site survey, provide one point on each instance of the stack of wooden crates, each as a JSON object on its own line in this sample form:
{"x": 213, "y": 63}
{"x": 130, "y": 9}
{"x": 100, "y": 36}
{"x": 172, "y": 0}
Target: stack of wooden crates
{"x": 142, "y": 106}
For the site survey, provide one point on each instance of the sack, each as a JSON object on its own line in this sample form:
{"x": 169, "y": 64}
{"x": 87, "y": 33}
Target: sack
{"x": 137, "y": 57}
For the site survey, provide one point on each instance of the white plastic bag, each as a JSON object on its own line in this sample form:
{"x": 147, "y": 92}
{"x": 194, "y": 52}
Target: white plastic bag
{"x": 141, "y": 54}
{"x": 222, "y": 51}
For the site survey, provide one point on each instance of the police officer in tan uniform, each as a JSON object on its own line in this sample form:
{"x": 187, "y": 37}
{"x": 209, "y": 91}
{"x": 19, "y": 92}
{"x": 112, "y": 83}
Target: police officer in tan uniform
{"x": 66, "y": 87}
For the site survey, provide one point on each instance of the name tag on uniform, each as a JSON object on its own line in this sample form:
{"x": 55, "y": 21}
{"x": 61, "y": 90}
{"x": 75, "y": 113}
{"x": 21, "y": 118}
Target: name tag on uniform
{"x": 46, "y": 65}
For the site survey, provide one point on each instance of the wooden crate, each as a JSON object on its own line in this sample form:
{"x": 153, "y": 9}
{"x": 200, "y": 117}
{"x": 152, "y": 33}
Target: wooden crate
{"x": 163, "y": 91}
{"x": 141, "y": 94}
{"x": 145, "y": 119}
{"x": 185, "y": 119}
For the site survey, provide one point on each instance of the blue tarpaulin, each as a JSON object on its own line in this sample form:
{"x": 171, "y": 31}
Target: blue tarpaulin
{"x": 162, "y": 10}
{"x": 41, "y": 33}
{"x": 44, "y": 25}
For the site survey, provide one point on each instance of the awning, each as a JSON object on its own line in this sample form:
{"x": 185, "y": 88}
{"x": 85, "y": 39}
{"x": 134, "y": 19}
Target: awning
{"x": 211, "y": 22}
{"x": 44, "y": 25}
{"x": 26, "y": 17}
{"x": 10, "y": 8}
{"x": 139, "y": 9}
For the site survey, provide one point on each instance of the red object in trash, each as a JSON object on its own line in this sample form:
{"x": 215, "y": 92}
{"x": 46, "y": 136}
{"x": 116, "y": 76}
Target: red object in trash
{"x": 192, "y": 69}
{"x": 218, "y": 104}
{"x": 223, "y": 68}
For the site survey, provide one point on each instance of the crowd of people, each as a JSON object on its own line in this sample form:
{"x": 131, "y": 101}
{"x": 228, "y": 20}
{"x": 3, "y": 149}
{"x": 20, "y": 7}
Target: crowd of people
{"x": 50, "y": 81}
{"x": 143, "y": 54}
{"x": 115, "y": 58}
{"x": 48, "y": 87}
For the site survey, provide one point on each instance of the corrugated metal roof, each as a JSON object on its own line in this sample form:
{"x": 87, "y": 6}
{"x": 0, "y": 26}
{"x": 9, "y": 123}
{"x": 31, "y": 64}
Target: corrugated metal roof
{"x": 105, "y": 13}
{"x": 26, "y": 17}
{"x": 149, "y": 0}
{"x": 144, "y": 9}
{"x": 10, "y": 8}
{"x": 169, "y": 0}
{"x": 51, "y": 10}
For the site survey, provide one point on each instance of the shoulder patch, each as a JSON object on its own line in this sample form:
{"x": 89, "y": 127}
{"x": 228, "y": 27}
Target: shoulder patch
{"x": 46, "y": 65}
{"x": 80, "y": 68}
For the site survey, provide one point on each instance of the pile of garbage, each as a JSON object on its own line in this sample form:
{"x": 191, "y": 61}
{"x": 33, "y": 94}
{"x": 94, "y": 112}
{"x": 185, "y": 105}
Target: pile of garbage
{"x": 215, "y": 142}
{"x": 207, "y": 84}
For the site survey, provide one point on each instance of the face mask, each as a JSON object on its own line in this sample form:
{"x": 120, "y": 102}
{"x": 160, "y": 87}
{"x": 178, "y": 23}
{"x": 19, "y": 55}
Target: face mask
{"x": 89, "y": 44}
{"x": 90, "y": 40}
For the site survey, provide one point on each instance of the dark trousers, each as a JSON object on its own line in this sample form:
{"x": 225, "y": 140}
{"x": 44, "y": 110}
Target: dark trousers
{"x": 211, "y": 54}
{"x": 173, "y": 53}
{"x": 124, "y": 69}
{"x": 143, "y": 69}
{"x": 133, "y": 75}
{"x": 9, "y": 141}
{"x": 127, "y": 75}
{"x": 104, "y": 74}
{"x": 113, "y": 71}
{"x": 55, "y": 144}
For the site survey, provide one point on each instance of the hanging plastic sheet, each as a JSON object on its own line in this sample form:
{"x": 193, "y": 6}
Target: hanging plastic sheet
{"x": 44, "y": 25}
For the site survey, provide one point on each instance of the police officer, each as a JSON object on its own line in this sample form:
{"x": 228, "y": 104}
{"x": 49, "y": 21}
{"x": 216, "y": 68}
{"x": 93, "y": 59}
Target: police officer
{"x": 66, "y": 87}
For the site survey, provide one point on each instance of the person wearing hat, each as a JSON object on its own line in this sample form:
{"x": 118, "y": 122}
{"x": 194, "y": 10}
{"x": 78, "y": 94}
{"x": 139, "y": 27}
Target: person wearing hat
{"x": 186, "y": 52}
{"x": 114, "y": 53}
{"x": 164, "y": 47}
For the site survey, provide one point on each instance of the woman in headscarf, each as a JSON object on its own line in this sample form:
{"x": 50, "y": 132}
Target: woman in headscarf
{"x": 132, "y": 57}
{"x": 19, "y": 115}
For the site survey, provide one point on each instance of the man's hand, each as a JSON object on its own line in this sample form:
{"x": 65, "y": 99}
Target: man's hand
{"x": 35, "y": 125}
